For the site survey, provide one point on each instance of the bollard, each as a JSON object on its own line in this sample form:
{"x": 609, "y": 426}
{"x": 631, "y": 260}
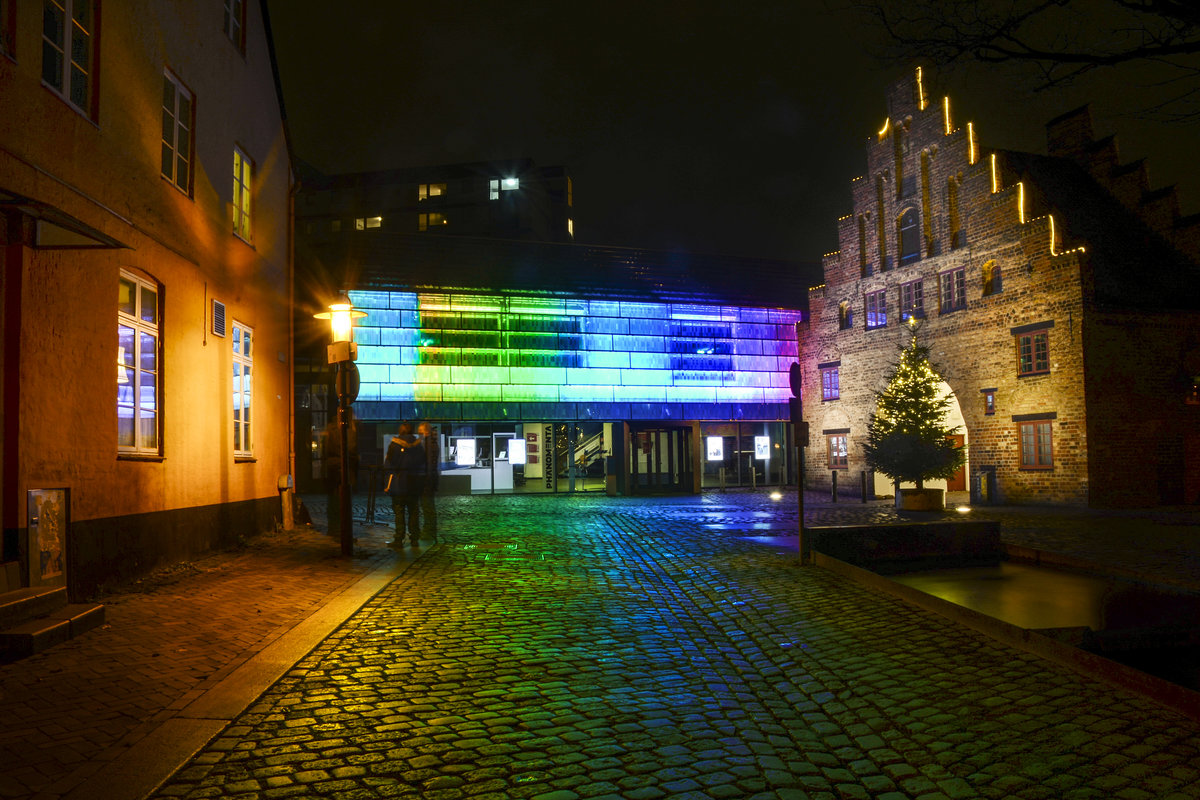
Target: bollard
{"x": 834, "y": 474}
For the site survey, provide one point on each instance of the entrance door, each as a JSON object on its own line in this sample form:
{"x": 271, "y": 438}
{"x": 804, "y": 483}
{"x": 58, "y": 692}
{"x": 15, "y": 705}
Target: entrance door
{"x": 959, "y": 482}
{"x": 661, "y": 460}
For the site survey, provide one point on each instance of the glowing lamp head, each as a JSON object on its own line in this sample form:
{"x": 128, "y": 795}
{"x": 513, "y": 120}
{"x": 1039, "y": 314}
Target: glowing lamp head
{"x": 341, "y": 316}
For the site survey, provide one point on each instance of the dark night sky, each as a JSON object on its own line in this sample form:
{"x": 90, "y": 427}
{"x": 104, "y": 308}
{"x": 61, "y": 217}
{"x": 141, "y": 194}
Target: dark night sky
{"x": 702, "y": 126}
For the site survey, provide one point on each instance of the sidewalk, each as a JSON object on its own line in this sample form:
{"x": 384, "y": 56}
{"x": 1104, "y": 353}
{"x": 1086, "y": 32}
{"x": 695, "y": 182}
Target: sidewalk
{"x": 175, "y": 648}
{"x": 184, "y": 652}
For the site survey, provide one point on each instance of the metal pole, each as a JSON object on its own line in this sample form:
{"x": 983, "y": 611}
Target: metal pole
{"x": 803, "y": 545}
{"x": 345, "y": 497}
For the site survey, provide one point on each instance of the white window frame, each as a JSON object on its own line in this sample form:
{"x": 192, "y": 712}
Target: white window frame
{"x": 134, "y": 372}
{"x": 243, "y": 372}
{"x": 243, "y": 194}
{"x": 179, "y": 148}
{"x": 72, "y": 80}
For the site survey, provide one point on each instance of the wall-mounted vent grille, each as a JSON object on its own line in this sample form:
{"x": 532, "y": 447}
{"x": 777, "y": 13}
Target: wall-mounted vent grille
{"x": 218, "y": 318}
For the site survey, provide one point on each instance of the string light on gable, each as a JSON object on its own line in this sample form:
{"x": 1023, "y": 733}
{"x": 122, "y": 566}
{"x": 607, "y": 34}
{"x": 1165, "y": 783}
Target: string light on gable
{"x": 972, "y": 151}
{"x": 995, "y": 175}
{"x": 946, "y": 113}
{"x": 921, "y": 101}
{"x": 1052, "y": 237}
{"x": 883, "y": 132}
{"x": 1021, "y": 201}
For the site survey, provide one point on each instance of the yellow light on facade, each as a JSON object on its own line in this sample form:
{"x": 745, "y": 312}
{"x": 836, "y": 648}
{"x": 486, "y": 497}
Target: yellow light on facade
{"x": 995, "y": 175}
{"x": 972, "y": 152}
{"x": 946, "y": 113}
{"x": 1052, "y": 246}
{"x": 887, "y": 124}
{"x": 921, "y": 101}
{"x": 1021, "y": 201}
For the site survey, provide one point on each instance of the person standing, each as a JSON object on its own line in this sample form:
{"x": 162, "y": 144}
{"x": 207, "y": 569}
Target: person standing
{"x": 433, "y": 464}
{"x": 405, "y": 462}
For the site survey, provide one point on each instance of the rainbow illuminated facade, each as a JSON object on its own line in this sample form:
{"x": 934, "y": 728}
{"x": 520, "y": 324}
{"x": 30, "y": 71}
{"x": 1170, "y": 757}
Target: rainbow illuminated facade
{"x": 473, "y": 356}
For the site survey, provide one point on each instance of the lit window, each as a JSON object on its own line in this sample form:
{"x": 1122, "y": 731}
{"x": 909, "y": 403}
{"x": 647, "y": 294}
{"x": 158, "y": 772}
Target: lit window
{"x": 374, "y": 222}
{"x": 1037, "y": 445}
{"x": 989, "y": 401}
{"x": 912, "y": 300}
{"x": 876, "y": 309}
{"x": 235, "y": 22}
{"x": 571, "y": 228}
{"x": 177, "y": 133}
{"x": 243, "y": 361}
{"x": 991, "y": 278}
{"x": 432, "y": 221}
{"x": 243, "y": 181}
{"x": 1033, "y": 353}
{"x": 830, "y": 386}
{"x": 428, "y": 190}
{"x": 68, "y": 50}
{"x": 910, "y": 239}
{"x": 498, "y": 185}
{"x": 954, "y": 289}
{"x": 836, "y": 448}
{"x": 137, "y": 366}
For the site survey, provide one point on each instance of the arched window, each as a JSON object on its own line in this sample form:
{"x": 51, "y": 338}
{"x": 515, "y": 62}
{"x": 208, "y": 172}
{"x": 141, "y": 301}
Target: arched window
{"x": 845, "y": 316}
{"x": 991, "y": 278}
{"x": 910, "y": 238}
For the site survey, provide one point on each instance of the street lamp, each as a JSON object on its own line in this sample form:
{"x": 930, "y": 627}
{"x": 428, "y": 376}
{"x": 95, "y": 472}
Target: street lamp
{"x": 342, "y": 352}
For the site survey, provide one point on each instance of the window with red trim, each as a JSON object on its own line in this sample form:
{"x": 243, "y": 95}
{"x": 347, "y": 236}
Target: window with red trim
{"x": 1037, "y": 445}
{"x": 1033, "y": 353}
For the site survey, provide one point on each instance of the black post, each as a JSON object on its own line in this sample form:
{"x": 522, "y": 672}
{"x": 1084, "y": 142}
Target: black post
{"x": 834, "y": 475}
{"x": 864, "y": 485}
{"x": 344, "y": 490}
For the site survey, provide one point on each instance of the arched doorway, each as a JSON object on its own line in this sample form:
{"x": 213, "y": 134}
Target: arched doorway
{"x": 954, "y": 418}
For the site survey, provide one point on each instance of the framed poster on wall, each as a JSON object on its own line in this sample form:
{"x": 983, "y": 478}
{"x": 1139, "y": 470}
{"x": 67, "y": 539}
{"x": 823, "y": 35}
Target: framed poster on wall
{"x": 47, "y": 550}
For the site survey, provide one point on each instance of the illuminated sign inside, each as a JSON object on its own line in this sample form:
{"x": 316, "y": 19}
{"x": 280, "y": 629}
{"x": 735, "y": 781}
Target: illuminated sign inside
{"x": 716, "y": 448}
{"x": 506, "y": 349}
{"x": 464, "y": 455}
{"x": 762, "y": 447}
{"x": 516, "y": 450}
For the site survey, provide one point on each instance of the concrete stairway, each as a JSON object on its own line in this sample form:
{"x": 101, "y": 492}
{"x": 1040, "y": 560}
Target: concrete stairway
{"x": 34, "y": 619}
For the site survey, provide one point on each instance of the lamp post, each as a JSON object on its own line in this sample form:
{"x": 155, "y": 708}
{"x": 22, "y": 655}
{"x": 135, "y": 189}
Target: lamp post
{"x": 342, "y": 352}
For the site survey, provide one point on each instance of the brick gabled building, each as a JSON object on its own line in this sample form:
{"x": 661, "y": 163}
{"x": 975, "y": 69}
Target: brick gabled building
{"x": 1060, "y": 298}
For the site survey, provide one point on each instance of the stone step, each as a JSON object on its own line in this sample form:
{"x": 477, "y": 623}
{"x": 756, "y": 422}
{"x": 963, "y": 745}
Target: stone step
{"x": 20, "y": 605}
{"x": 61, "y": 624}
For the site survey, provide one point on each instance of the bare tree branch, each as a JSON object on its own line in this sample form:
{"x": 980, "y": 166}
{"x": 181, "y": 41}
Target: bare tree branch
{"x": 1061, "y": 39}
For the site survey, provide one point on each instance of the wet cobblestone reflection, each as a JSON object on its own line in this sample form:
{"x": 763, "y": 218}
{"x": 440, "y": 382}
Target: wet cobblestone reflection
{"x": 564, "y": 648}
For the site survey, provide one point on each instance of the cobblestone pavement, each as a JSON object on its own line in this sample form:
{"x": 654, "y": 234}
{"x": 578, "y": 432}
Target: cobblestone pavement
{"x": 579, "y": 647}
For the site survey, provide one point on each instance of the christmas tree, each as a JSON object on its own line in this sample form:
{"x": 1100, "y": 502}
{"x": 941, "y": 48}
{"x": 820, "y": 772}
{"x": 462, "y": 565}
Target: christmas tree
{"x": 907, "y": 438}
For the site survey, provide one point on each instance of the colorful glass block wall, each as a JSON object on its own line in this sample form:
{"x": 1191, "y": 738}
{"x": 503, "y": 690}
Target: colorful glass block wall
{"x": 646, "y": 358}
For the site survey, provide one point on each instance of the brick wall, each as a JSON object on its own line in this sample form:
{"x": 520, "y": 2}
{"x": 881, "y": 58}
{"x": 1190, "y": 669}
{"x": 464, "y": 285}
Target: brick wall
{"x": 977, "y": 210}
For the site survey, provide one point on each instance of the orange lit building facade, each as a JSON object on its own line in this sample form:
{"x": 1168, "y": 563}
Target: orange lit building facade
{"x": 144, "y": 208}
{"x": 1058, "y": 295}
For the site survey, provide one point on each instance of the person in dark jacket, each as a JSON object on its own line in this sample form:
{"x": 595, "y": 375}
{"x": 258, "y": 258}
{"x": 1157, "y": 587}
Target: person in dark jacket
{"x": 405, "y": 462}
{"x": 433, "y": 458}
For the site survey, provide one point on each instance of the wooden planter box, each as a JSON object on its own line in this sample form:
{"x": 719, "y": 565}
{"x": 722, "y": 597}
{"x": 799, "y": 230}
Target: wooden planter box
{"x": 921, "y": 500}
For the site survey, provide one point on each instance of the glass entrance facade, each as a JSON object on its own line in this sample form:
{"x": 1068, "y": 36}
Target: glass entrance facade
{"x": 554, "y": 394}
